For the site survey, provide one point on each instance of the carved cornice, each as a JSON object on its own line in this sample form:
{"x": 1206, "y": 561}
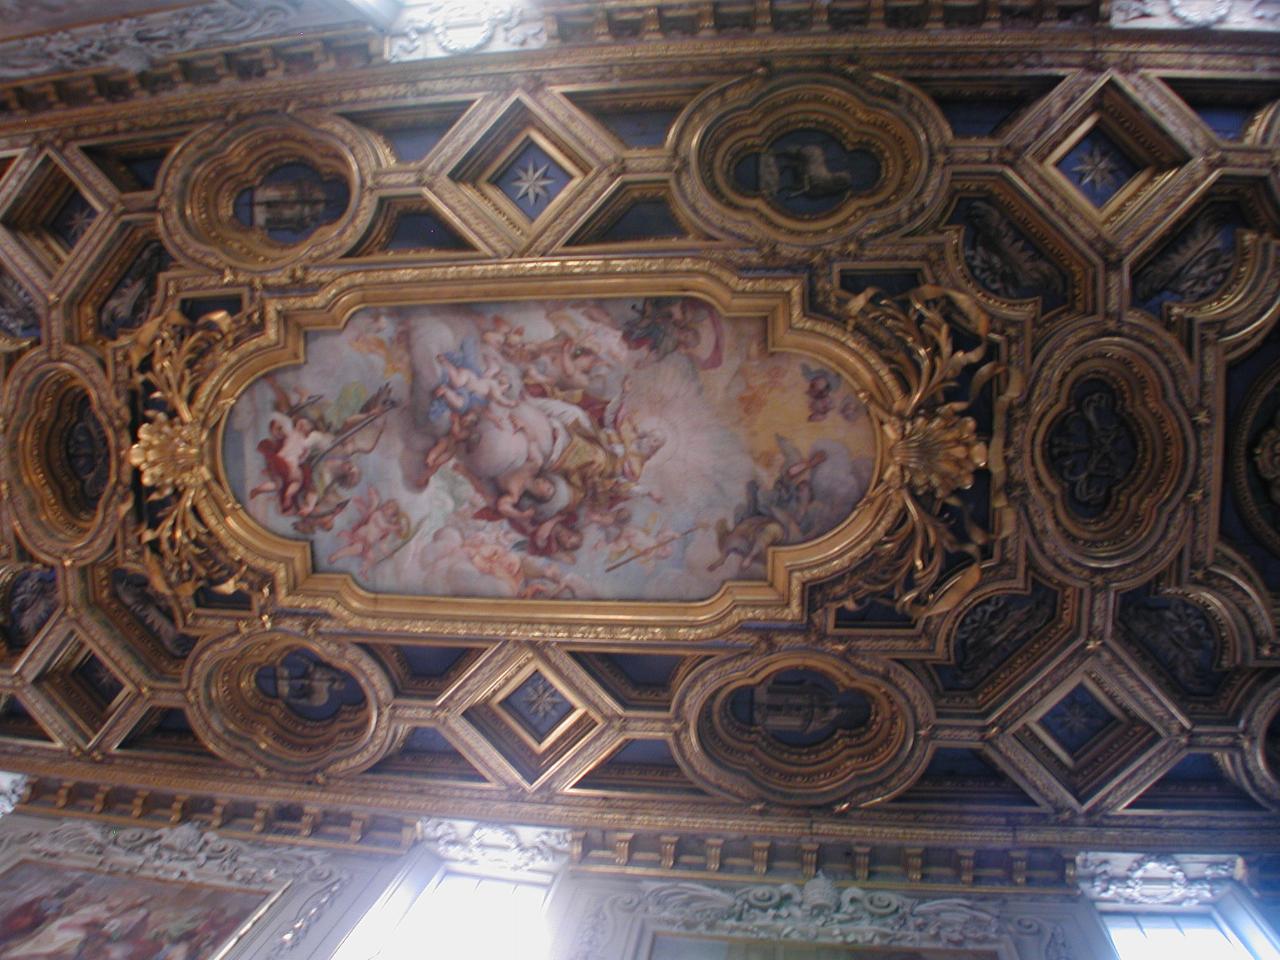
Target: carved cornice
{"x": 135, "y": 43}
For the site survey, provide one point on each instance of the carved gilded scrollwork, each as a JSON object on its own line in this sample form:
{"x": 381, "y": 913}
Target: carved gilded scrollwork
{"x": 1111, "y": 451}
{"x": 931, "y": 449}
{"x": 292, "y": 703}
{"x": 803, "y": 727}
{"x": 170, "y": 358}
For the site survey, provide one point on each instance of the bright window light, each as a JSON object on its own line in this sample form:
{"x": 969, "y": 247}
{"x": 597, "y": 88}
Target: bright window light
{"x": 1151, "y": 936}
{"x": 479, "y": 918}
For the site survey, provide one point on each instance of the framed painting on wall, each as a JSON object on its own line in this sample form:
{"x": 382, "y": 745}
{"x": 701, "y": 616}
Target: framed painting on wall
{"x": 91, "y": 891}
{"x": 54, "y": 911}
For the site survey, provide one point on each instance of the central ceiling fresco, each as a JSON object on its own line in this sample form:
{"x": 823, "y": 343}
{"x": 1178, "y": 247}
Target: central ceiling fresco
{"x": 643, "y": 449}
{"x": 878, "y": 449}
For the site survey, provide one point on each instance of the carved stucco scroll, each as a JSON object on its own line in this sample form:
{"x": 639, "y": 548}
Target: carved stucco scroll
{"x": 1155, "y": 879}
{"x": 495, "y": 846}
{"x": 817, "y": 912}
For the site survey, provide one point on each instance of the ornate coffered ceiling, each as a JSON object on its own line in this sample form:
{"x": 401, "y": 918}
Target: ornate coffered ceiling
{"x": 858, "y": 438}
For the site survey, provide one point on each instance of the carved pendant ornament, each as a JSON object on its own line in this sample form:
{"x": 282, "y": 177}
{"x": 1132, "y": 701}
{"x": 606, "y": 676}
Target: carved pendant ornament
{"x": 804, "y": 442}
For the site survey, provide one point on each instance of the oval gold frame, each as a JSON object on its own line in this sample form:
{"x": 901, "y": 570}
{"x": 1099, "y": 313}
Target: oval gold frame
{"x": 47, "y": 527}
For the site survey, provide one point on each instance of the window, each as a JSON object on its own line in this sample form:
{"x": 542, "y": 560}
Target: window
{"x": 459, "y": 915}
{"x": 1182, "y": 936}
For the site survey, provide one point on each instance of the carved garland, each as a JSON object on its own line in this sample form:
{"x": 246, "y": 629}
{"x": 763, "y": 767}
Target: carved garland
{"x": 818, "y": 912}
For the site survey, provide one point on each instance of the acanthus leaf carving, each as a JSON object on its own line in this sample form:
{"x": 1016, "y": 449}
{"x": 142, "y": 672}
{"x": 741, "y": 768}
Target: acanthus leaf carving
{"x": 189, "y": 854}
{"x": 136, "y": 42}
{"x": 933, "y": 447}
{"x": 170, "y": 358}
{"x": 12, "y": 788}
{"x": 184, "y": 853}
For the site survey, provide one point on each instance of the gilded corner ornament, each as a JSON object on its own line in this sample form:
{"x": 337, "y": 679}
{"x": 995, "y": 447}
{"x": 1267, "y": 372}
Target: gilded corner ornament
{"x": 932, "y": 447}
{"x": 170, "y": 357}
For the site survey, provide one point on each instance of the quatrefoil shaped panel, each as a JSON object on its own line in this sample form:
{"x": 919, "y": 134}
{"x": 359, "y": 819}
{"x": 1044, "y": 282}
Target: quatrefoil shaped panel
{"x": 806, "y": 160}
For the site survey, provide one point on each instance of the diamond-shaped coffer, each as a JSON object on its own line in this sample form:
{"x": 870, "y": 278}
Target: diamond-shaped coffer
{"x": 83, "y": 686}
{"x": 524, "y": 167}
{"x": 537, "y": 706}
{"x": 1077, "y": 720}
{"x": 531, "y": 179}
{"x": 1086, "y": 731}
{"x": 534, "y": 721}
{"x": 1099, "y": 166}
{"x": 50, "y": 216}
{"x": 1111, "y": 154}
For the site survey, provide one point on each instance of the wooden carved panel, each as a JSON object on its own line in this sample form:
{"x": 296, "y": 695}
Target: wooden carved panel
{"x": 855, "y": 434}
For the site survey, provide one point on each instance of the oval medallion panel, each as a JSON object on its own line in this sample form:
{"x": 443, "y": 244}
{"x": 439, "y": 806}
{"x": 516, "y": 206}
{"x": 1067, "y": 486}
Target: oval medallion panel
{"x": 804, "y": 728}
{"x": 60, "y": 455}
{"x": 303, "y": 706}
{"x": 806, "y": 160}
{"x": 642, "y": 448}
{"x": 266, "y": 193}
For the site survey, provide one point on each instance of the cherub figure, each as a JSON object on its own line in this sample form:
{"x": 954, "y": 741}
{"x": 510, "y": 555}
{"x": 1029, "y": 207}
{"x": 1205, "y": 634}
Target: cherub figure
{"x": 302, "y": 452}
{"x": 379, "y": 521}
{"x": 821, "y": 391}
{"x": 464, "y": 388}
{"x": 292, "y": 442}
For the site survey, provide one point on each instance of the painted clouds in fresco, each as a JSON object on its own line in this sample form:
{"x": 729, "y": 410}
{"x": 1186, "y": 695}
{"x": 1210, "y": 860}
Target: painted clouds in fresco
{"x": 640, "y": 449}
